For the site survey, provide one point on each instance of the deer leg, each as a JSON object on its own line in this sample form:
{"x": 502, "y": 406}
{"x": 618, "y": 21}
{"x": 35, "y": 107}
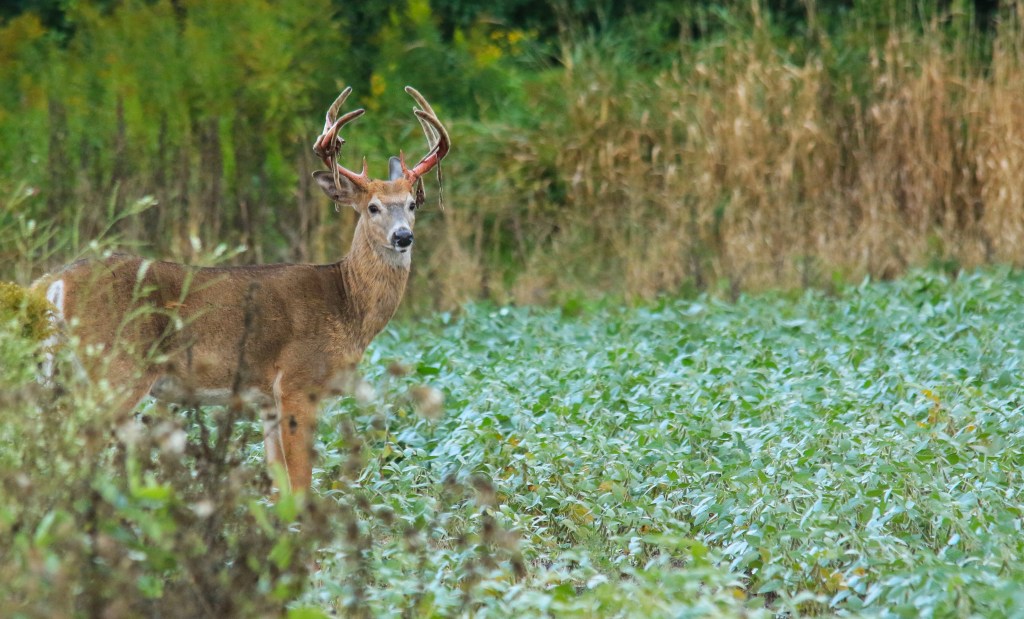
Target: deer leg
{"x": 298, "y": 425}
{"x": 130, "y": 397}
{"x": 130, "y": 384}
{"x": 291, "y": 441}
{"x": 272, "y": 438}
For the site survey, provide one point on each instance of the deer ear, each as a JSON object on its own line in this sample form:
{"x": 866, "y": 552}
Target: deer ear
{"x": 342, "y": 193}
{"x": 395, "y": 171}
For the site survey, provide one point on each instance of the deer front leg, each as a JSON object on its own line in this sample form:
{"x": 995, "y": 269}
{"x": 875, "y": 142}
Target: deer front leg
{"x": 133, "y": 395}
{"x": 289, "y": 437}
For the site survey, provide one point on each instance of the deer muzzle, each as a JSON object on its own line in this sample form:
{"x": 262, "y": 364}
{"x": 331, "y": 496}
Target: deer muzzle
{"x": 401, "y": 239}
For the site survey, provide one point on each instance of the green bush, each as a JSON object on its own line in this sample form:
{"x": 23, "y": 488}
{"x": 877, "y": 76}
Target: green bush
{"x": 29, "y": 310}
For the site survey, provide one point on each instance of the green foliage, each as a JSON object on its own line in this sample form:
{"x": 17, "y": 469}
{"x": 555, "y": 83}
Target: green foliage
{"x": 29, "y": 310}
{"x": 210, "y": 108}
{"x": 822, "y": 454}
{"x": 812, "y": 454}
{"x": 131, "y": 517}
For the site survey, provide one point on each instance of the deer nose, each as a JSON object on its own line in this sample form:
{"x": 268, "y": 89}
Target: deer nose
{"x": 402, "y": 238}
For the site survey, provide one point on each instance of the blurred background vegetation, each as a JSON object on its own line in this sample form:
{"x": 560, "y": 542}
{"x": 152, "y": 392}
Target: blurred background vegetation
{"x": 625, "y": 148}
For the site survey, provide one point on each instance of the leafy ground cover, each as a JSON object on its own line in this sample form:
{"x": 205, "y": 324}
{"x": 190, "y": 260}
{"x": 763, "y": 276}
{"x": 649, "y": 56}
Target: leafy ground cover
{"x": 849, "y": 453}
{"x": 857, "y": 452}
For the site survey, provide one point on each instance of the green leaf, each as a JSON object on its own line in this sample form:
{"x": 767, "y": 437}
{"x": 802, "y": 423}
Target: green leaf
{"x": 306, "y": 612}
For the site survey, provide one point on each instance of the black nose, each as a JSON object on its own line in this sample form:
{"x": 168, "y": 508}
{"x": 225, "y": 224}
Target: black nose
{"x": 402, "y": 238}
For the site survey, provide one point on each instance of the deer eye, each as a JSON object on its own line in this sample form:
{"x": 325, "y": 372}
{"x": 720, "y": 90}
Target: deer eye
{"x": 374, "y": 209}
{"x": 412, "y": 207}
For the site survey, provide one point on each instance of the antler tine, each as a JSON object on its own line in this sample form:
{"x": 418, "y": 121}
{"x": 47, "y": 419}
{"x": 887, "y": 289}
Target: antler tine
{"x": 332, "y": 112}
{"x": 329, "y": 143}
{"x": 430, "y": 132}
{"x": 432, "y": 135}
{"x": 438, "y": 141}
{"x": 420, "y": 100}
{"x": 432, "y": 128}
{"x": 435, "y": 131}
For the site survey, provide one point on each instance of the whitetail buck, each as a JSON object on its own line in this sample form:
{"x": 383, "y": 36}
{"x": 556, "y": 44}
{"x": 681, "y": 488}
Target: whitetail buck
{"x": 283, "y": 333}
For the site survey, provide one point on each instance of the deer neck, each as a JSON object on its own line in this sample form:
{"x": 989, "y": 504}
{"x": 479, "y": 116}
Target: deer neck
{"x": 373, "y": 282}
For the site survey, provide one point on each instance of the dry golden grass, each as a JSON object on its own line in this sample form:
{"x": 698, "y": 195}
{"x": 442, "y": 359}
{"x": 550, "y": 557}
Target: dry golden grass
{"x": 742, "y": 168}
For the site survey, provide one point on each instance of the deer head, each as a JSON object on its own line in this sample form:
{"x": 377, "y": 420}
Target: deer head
{"x": 387, "y": 208}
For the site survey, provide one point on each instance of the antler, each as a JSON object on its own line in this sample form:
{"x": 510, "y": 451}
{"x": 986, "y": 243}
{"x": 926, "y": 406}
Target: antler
{"x": 329, "y": 143}
{"x": 437, "y": 138}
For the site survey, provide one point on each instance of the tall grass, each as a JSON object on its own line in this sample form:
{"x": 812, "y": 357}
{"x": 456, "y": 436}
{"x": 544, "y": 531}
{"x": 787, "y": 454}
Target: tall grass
{"x": 750, "y": 164}
{"x": 754, "y": 155}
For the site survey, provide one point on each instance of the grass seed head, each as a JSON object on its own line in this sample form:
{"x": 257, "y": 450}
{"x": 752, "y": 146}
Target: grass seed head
{"x": 428, "y": 401}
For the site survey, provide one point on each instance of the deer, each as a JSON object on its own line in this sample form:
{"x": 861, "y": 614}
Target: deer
{"x": 281, "y": 333}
